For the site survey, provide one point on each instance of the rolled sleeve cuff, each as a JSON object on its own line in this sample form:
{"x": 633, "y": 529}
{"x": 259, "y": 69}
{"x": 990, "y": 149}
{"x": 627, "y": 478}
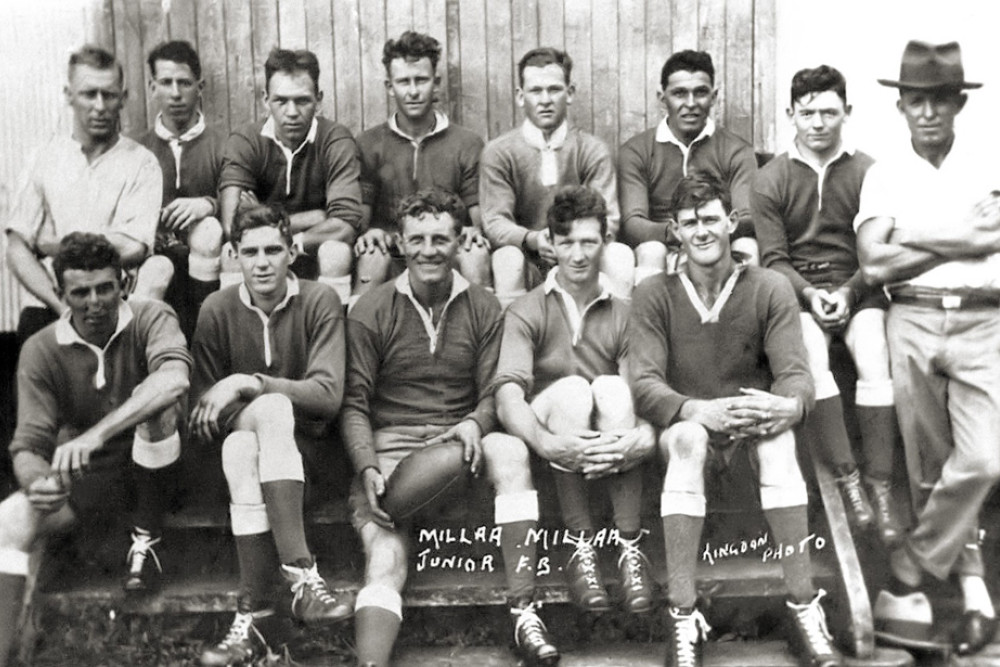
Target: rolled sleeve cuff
{"x": 358, "y": 439}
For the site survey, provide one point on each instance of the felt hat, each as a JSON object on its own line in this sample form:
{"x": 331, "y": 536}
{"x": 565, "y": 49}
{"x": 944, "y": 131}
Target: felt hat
{"x": 931, "y": 66}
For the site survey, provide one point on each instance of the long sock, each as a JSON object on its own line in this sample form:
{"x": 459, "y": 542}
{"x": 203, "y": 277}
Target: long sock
{"x": 625, "y": 491}
{"x": 682, "y": 537}
{"x": 258, "y": 560}
{"x": 156, "y": 492}
{"x": 879, "y": 435}
{"x": 283, "y": 499}
{"x": 790, "y": 528}
{"x": 378, "y": 614}
{"x": 519, "y": 556}
{"x": 826, "y": 429}
{"x": 11, "y": 597}
{"x": 571, "y": 488}
{"x": 375, "y": 631}
{"x": 198, "y": 291}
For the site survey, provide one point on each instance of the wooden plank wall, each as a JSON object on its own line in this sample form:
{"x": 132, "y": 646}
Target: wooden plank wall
{"x": 618, "y": 48}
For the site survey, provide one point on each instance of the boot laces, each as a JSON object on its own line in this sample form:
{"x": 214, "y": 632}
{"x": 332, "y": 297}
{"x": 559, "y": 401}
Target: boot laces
{"x": 880, "y": 494}
{"x": 528, "y": 625}
{"x": 586, "y": 555}
{"x": 308, "y": 578}
{"x": 851, "y": 484}
{"x": 633, "y": 559}
{"x": 812, "y": 619}
{"x": 239, "y": 631}
{"x": 689, "y": 631}
{"x": 142, "y": 546}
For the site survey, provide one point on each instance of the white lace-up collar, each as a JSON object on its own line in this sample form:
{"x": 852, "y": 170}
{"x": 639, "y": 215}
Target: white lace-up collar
{"x": 796, "y": 154}
{"x": 710, "y": 315}
{"x": 440, "y": 125}
{"x": 458, "y": 285}
{"x": 67, "y": 335}
{"x": 665, "y": 135}
{"x": 573, "y": 313}
{"x": 292, "y": 291}
{"x": 267, "y": 130}
{"x": 175, "y": 141}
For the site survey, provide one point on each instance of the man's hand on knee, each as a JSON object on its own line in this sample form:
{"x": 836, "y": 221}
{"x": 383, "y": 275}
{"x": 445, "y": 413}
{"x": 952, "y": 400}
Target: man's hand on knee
{"x": 204, "y": 421}
{"x": 47, "y": 494}
{"x": 831, "y": 310}
{"x": 472, "y": 236}
{"x": 633, "y": 446}
{"x": 183, "y": 211}
{"x": 73, "y": 458}
{"x": 769, "y": 413}
{"x": 374, "y": 485}
{"x": 373, "y": 240}
{"x": 570, "y": 451}
{"x": 470, "y": 435}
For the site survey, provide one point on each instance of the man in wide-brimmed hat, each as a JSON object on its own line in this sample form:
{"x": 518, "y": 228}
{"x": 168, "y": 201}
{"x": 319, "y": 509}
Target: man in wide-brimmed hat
{"x": 929, "y": 231}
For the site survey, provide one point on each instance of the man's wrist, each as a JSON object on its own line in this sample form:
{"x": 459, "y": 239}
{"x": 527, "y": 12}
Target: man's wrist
{"x": 529, "y": 242}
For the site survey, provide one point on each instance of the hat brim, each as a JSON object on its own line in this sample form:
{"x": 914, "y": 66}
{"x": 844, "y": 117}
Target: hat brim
{"x": 914, "y": 85}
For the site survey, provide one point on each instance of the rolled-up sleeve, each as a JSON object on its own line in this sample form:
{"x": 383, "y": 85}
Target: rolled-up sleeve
{"x": 343, "y": 174}
{"x": 498, "y": 198}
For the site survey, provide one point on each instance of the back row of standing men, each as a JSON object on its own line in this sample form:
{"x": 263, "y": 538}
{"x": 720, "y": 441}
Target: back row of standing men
{"x": 803, "y": 207}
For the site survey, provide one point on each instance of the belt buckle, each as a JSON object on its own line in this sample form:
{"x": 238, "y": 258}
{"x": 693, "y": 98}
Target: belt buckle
{"x": 951, "y": 301}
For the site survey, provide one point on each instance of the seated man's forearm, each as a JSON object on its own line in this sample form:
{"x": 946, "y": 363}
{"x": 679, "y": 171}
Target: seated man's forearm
{"x": 161, "y": 389}
{"x": 29, "y": 466}
{"x": 31, "y": 273}
{"x": 518, "y": 418}
{"x": 638, "y": 229}
{"x": 132, "y": 252}
{"x": 229, "y": 200}
{"x": 317, "y": 229}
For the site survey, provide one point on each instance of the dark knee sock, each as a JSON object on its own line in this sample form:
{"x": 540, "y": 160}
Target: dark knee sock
{"x": 156, "y": 492}
{"x": 375, "y": 631}
{"x": 826, "y": 430}
{"x": 682, "y": 537}
{"x": 789, "y": 529}
{"x": 11, "y": 598}
{"x": 571, "y": 488}
{"x": 625, "y": 491}
{"x": 879, "y": 435}
{"x": 283, "y": 500}
{"x": 258, "y": 560}
{"x": 519, "y": 556}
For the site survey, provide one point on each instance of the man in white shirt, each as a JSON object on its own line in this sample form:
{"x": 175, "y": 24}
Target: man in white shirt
{"x": 929, "y": 231}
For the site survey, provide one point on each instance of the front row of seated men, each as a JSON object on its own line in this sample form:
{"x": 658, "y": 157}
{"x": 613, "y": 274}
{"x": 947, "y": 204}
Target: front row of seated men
{"x": 421, "y": 368}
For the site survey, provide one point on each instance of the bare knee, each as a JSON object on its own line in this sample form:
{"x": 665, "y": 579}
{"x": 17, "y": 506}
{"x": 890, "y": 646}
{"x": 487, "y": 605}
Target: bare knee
{"x": 19, "y": 522}
{"x": 474, "y": 264}
{"x": 334, "y": 258}
{"x": 205, "y": 238}
{"x": 507, "y": 462}
{"x": 651, "y": 254}
{"x": 268, "y": 411}
{"x": 866, "y": 339}
{"x": 372, "y": 269}
{"x": 778, "y": 462}
{"x": 747, "y": 246}
{"x": 508, "y": 269}
{"x": 154, "y": 277}
{"x": 618, "y": 264}
{"x": 612, "y": 402}
{"x": 566, "y": 404}
{"x": 385, "y": 556}
{"x": 240, "y": 450}
{"x": 685, "y": 442}
{"x": 161, "y": 425}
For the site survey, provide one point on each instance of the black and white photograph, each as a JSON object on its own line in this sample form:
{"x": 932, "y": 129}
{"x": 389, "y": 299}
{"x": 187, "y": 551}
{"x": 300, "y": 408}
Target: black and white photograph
{"x": 500, "y": 333}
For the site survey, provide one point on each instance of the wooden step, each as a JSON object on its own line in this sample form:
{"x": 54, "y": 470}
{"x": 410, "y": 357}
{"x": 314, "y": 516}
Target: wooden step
{"x": 717, "y": 654}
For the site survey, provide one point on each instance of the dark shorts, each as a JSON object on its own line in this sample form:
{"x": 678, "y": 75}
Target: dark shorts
{"x": 392, "y": 445}
{"x": 105, "y": 491}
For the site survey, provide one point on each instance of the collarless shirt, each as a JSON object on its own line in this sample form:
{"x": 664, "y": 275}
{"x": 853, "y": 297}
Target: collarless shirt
{"x": 909, "y": 189}
{"x": 267, "y": 131}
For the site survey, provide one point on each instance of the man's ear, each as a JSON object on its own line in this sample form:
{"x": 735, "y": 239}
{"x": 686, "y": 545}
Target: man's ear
{"x": 293, "y": 252}
{"x": 319, "y": 96}
{"x": 519, "y": 96}
{"x": 570, "y": 92}
{"x": 962, "y": 99}
{"x": 734, "y": 221}
{"x": 67, "y": 93}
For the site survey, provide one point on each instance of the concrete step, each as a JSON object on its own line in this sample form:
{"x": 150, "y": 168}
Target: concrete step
{"x": 717, "y": 654}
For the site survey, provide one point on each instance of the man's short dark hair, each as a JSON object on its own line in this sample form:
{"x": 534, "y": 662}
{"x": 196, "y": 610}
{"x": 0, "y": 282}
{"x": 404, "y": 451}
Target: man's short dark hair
{"x": 575, "y": 202}
{"x": 818, "y": 80}
{"x": 261, "y": 215}
{"x": 290, "y": 62}
{"x": 687, "y": 61}
{"x": 85, "y": 252}
{"x": 412, "y": 46}
{"x": 542, "y": 56}
{"x": 177, "y": 51}
{"x": 434, "y": 201}
{"x": 96, "y": 57}
{"x": 696, "y": 190}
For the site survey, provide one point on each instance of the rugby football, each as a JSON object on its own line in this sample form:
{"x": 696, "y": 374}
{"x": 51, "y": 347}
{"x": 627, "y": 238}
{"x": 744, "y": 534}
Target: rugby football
{"x": 423, "y": 477}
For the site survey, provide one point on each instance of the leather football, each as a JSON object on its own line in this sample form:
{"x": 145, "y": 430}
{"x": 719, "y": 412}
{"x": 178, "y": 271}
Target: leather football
{"x": 423, "y": 477}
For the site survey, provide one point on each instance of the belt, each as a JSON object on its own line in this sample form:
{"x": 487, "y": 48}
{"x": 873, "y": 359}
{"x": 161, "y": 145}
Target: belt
{"x": 966, "y": 301}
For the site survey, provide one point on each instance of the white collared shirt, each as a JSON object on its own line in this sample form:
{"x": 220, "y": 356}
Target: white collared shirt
{"x": 573, "y": 313}
{"x": 665, "y": 135}
{"x": 548, "y": 171}
{"x": 292, "y": 290}
{"x": 176, "y": 141}
{"x": 267, "y": 130}
{"x": 67, "y": 335}
{"x": 458, "y": 285}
